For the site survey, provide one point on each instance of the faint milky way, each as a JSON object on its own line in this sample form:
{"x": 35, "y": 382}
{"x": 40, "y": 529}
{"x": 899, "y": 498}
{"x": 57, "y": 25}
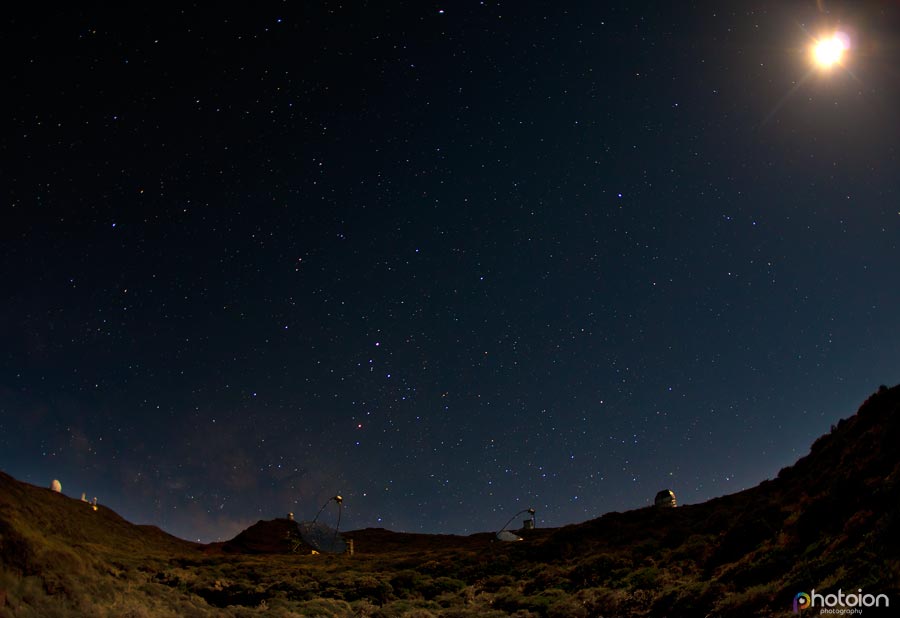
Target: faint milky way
{"x": 448, "y": 261}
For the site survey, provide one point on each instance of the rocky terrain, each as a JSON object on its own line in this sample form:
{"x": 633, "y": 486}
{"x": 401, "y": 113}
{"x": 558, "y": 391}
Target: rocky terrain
{"x": 830, "y": 521}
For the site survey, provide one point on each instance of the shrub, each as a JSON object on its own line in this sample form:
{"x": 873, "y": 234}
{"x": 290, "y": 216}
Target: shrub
{"x": 747, "y": 602}
{"x": 566, "y": 607}
{"x": 409, "y": 583}
{"x": 603, "y": 601}
{"x": 598, "y": 570}
{"x": 509, "y": 600}
{"x": 325, "y": 608}
{"x": 441, "y": 585}
{"x": 369, "y": 587}
{"x": 694, "y": 599}
{"x": 405, "y": 609}
{"x": 548, "y": 576}
{"x": 496, "y": 582}
{"x": 644, "y": 579}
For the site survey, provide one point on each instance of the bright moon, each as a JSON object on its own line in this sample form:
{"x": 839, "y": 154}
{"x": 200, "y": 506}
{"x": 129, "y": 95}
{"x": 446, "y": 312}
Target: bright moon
{"x": 828, "y": 52}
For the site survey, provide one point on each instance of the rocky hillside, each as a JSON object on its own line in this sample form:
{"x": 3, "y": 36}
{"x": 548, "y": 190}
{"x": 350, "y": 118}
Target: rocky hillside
{"x": 830, "y": 521}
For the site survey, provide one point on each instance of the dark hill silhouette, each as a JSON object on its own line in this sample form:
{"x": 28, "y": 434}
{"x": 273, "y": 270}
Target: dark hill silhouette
{"x": 31, "y": 515}
{"x": 837, "y": 510}
{"x": 380, "y": 540}
{"x": 830, "y": 521}
{"x": 267, "y": 537}
{"x": 274, "y": 536}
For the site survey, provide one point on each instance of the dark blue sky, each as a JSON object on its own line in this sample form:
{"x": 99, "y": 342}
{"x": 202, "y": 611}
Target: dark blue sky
{"x": 448, "y": 260}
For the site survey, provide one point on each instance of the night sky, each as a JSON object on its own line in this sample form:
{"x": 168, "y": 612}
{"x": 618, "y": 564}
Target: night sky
{"x": 450, "y": 261}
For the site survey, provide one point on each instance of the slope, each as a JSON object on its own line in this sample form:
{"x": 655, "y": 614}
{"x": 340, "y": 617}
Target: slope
{"x": 830, "y": 521}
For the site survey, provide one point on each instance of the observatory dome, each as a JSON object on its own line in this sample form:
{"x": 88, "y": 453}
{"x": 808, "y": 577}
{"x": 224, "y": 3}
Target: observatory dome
{"x": 665, "y": 499}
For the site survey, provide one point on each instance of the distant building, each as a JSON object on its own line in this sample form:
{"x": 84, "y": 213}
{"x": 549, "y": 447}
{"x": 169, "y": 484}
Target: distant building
{"x": 56, "y": 486}
{"x": 665, "y": 499}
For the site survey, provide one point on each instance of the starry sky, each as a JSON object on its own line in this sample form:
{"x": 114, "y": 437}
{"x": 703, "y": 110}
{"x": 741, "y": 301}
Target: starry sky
{"x": 450, "y": 260}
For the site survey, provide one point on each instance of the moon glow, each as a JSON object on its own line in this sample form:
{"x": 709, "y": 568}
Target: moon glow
{"x": 829, "y": 51}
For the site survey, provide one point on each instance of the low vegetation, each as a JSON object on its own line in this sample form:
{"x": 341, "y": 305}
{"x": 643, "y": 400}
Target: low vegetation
{"x": 831, "y": 520}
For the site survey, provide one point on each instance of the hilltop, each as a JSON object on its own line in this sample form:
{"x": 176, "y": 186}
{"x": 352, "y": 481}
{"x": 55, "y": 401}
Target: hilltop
{"x": 830, "y": 521}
